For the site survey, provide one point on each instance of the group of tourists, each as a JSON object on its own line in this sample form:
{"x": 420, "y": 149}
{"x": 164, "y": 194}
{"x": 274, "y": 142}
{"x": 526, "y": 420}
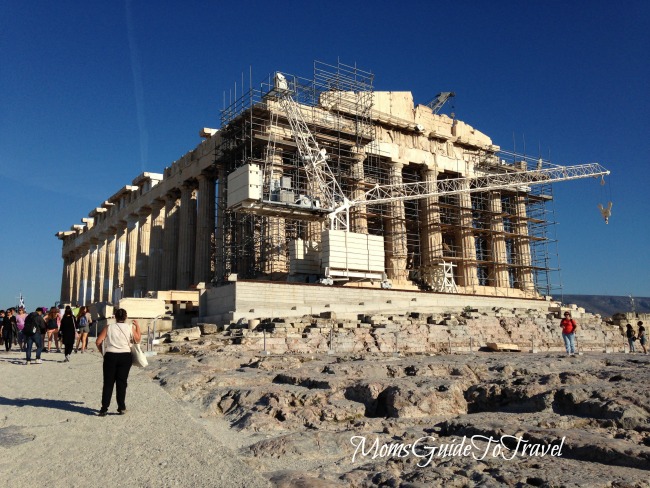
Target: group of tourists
{"x": 633, "y": 336}
{"x": 25, "y": 331}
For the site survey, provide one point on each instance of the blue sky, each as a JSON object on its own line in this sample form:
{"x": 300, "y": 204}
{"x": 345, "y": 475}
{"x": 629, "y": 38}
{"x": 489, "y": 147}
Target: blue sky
{"x": 93, "y": 93}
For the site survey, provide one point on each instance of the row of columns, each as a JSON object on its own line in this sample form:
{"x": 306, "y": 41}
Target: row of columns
{"x": 165, "y": 245}
{"x": 431, "y": 235}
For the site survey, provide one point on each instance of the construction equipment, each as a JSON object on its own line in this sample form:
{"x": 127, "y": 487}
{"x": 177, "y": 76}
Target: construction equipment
{"x": 325, "y": 200}
{"x": 441, "y": 98}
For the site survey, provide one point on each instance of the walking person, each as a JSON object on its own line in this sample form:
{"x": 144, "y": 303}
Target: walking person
{"x": 629, "y": 333}
{"x": 52, "y": 322}
{"x": 20, "y": 324}
{"x": 34, "y": 324}
{"x": 569, "y": 333}
{"x": 8, "y": 328}
{"x": 115, "y": 342}
{"x": 83, "y": 323}
{"x": 68, "y": 332}
{"x": 643, "y": 339}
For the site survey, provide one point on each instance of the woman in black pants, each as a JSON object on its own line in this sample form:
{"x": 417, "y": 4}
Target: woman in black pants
{"x": 68, "y": 331}
{"x": 115, "y": 342}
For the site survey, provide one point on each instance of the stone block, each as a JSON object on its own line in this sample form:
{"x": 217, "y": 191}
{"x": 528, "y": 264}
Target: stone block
{"x": 183, "y": 335}
{"x": 207, "y": 329}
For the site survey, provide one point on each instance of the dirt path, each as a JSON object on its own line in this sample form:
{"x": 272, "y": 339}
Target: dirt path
{"x": 50, "y": 434}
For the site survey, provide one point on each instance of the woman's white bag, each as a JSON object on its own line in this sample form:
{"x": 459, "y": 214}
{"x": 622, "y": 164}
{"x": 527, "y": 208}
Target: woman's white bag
{"x": 139, "y": 358}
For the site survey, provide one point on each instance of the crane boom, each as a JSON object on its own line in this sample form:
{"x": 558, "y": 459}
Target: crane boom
{"x": 321, "y": 179}
{"x": 441, "y": 98}
{"x": 324, "y": 185}
{"x": 511, "y": 179}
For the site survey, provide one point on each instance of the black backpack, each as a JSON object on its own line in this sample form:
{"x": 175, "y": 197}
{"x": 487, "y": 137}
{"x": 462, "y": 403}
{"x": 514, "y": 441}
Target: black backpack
{"x": 30, "y": 325}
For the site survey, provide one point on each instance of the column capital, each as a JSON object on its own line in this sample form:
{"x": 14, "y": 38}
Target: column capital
{"x": 358, "y": 154}
{"x": 395, "y": 164}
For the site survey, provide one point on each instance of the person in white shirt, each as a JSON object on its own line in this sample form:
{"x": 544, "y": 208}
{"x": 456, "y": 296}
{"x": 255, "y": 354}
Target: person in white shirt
{"x": 115, "y": 342}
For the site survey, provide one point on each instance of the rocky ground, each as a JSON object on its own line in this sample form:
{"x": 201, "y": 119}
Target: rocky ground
{"x": 474, "y": 419}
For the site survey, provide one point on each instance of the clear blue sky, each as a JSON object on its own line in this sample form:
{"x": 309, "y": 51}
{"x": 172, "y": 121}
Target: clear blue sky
{"x": 93, "y": 93}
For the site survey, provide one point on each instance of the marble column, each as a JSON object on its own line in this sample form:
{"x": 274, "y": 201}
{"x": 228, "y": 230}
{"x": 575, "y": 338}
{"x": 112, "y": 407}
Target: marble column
{"x": 170, "y": 243}
{"x": 120, "y": 260}
{"x": 468, "y": 271}
{"x": 358, "y": 219}
{"x": 92, "y": 272}
{"x": 75, "y": 276}
{"x": 395, "y": 226}
{"x": 274, "y": 245}
{"x": 83, "y": 276}
{"x": 498, "y": 242}
{"x": 522, "y": 246}
{"x": 204, "y": 229}
{"x": 430, "y": 232}
{"x": 155, "y": 261}
{"x": 109, "y": 274}
{"x": 142, "y": 256}
{"x": 132, "y": 226}
{"x": 65, "y": 279}
{"x": 219, "y": 257}
{"x": 101, "y": 268}
{"x": 187, "y": 237}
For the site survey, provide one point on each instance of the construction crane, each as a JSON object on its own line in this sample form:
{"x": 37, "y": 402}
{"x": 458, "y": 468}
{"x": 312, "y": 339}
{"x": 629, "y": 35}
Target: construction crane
{"x": 441, "y": 98}
{"x": 333, "y": 201}
{"x": 334, "y": 205}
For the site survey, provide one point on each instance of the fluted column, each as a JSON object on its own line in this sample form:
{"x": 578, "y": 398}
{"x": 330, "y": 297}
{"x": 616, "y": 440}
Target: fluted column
{"x": 431, "y": 234}
{"x": 120, "y": 259}
{"x": 395, "y": 225}
{"x": 98, "y": 292}
{"x": 92, "y": 272}
{"x": 65, "y": 279}
{"x": 468, "y": 270}
{"x": 83, "y": 276}
{"x": 187, "y": 237}
{"x": 498, "y": 244}
{"x": 132, "y": 225}
{"x": 358, "y": 219}
{"x": 109, "y": 274}
{"x": 204, "y": 229}
{"x": 76, "y": 276}
{"x": 155, "y": 261}
{"x": 522, "y": 246}
{"x": 170, "y": 243}
{"x": 219, "y": 256}
{"x": 142, "y": 256}
{"x": 274, "y": 249}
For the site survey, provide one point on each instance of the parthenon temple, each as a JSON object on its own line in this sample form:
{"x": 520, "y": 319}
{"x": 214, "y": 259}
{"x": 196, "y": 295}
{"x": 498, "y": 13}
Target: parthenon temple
{"x": 251, "y": 202}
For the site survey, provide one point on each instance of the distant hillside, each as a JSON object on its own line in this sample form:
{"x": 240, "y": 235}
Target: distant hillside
{"x": 607, "y": 305}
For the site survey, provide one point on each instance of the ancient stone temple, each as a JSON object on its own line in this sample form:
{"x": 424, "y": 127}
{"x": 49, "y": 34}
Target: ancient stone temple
{"x": 322, "y": 181}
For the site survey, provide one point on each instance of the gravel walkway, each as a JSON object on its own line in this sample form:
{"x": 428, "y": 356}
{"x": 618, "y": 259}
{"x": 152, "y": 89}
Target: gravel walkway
{"x": 50, "y": 434}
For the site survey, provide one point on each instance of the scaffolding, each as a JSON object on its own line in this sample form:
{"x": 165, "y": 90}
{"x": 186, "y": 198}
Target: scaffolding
{"x": 496, "y": 240}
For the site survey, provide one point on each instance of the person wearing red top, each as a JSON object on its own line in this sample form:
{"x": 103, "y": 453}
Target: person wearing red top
{"x": 569, "y": 333}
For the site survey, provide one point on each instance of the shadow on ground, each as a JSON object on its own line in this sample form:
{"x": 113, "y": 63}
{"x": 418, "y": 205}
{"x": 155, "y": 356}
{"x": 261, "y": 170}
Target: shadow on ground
{"x": 66, "y": 405}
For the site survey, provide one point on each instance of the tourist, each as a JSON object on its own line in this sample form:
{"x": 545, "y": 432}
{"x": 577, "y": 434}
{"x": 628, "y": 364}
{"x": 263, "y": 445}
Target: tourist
{"x": 52, "y": 322}
{"x": 630, "y": 337}
{"x": 68, "y": 330}
{"x": 83, "y": 323}
{"x": 8, "y": 328}
{"x": 20, "y": 324}
{"x": 116, "y": 339}
{"x": 642, "y": 337}
{"x": 2, "y": 320}
{"x": 569, "y": 327}
{"x": 34, "y": 324}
